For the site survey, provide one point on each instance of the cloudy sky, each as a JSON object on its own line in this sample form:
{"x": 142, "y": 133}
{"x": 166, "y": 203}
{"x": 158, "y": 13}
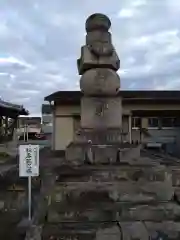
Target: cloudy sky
{"x": 40, "y": 41}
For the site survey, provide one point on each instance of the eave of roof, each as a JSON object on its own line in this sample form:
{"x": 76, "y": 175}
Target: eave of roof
{"x": 155, "y": 113}
{"x": 10, "y": 109}
{"x": 75, "y": 96}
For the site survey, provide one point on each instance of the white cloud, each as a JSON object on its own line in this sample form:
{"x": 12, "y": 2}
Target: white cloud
{"x": 126, "y": 13}
{"x": 41, "y": 40}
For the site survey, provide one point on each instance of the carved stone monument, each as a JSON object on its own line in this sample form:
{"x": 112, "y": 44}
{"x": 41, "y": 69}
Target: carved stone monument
{"x": 101, "y": 108}
{"x": 96, "y": 197}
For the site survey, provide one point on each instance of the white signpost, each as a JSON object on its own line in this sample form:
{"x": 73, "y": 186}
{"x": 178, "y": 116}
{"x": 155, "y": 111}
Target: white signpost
{"x": 28, "y": 164}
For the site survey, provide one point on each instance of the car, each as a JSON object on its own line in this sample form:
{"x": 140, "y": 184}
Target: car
{"x": 33, "y": 136}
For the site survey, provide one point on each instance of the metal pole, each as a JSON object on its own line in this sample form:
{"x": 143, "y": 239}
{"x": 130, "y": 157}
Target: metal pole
{"x": 24, "y": 133}
{"x": 29, "y": 197}
{"x": 130, "y": 129}
{"x": 27, "y": 132}
{"x": 29, "y": 183}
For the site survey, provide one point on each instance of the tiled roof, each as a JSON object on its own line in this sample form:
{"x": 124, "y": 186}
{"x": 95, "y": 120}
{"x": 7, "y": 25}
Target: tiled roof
{"x": 11, "y": 107}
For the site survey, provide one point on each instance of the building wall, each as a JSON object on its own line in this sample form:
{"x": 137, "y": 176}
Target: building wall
{"x": 47, "y": 123}
{"x": 64, "y": 131}
{"x": 66, "y": 124}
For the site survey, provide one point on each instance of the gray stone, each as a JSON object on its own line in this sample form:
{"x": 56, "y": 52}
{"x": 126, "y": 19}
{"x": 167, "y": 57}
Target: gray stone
{"x": 75, "y": 153}
{"x": 99, "y": 36}
{"x": 97, "y": 21}
{"x": 97, "y": 113}
{"x": 112, "y": 233}
{"x": 106, "y": 189}
{"x": 134, "y": 230}
{"x": 34, "y": 233}
{"x": 176, "y": 177}
{"x": 100, "y": 136}
{"x": 159, "y": 212}
{"x": 23, "y": 225}
{"x": 165, "y": 230}
{"x": 2, "y": 205}
{"x": 124, "y": 191}
{"x": 88, "y": 61}
{"x": 110, "y": 212}
{"x": 100, "y": 81}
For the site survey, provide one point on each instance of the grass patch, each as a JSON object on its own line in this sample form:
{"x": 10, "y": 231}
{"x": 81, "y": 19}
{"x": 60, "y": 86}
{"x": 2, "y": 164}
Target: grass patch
{"x": 4, "y": 155}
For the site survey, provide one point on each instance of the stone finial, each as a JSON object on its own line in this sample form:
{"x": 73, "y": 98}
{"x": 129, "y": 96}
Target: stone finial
{"x": 98, "y": 52}
{"x": 98, "y": 21}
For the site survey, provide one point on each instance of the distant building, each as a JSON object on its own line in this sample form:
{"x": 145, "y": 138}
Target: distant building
{"x": 47, "y": 118}
{"x": 33, "y": 123}
{"x": 146, "y": 116}
{"x": 9, "y": 113}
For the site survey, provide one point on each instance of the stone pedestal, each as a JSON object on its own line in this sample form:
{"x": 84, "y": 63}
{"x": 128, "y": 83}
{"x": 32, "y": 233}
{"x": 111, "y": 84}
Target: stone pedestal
{"x": 98, "y": 154}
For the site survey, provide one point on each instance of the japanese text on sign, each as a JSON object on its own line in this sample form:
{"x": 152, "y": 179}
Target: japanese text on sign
{"x": 28, "y": 160}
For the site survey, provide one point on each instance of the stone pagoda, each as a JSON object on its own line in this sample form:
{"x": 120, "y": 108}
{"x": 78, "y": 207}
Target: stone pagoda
{"x": 102, "y": 193}
{"x": 100, "y": 135}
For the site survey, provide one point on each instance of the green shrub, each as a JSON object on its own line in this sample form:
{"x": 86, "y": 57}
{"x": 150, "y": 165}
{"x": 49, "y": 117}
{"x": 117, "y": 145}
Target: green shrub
{"x": 4, "y": 154}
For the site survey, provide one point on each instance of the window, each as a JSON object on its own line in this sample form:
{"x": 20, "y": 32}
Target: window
{"x": 153, "y": 122}
{"x": 167, "y": 122}
{"x": 170, "y": 122}
{"x": 136, "y": 122}
{"x": 177, "y": 122}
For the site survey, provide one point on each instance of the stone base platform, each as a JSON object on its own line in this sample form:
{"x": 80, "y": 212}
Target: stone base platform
{"x": 166, "y": 230}
{"x": 113, "y": 202}
{"x": 77, "y": 153}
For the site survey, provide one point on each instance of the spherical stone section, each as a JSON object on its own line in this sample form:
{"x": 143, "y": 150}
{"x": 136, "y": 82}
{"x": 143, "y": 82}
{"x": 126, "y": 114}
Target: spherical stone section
{"x": 100, "y": 81}
{"x": 98, "y": 21}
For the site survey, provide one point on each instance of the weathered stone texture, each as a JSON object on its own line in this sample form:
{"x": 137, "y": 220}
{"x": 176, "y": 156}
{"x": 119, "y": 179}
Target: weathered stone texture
{"x": 112, "y": 211}
{"x": 97, "y": 113}
{"x": 100, "y": 81}
{"x": 87, "y": 61}
{"x": 127, "y": 198}
{"x": 34, "y": 233}
{"x": 105, "y": 188}
{"x": 166, "y": 230}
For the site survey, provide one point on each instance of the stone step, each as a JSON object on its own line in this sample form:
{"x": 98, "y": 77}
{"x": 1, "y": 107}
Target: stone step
{"x": 143, "y": 191}
{"x": 116, "y": 173}
{"x": 112, "y": 212}
{"x": 166, "y": 230}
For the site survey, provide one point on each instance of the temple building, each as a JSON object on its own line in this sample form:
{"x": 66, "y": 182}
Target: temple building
{"x": 9, "y": 114}
{"x": 148, "y": 117}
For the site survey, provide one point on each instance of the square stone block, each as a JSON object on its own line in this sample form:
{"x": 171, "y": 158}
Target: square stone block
{"x": 101, "y": 113}
{"x": 75, "y": 153}
{"x": 89, "y": 60}
{"x": 79, "y": 153}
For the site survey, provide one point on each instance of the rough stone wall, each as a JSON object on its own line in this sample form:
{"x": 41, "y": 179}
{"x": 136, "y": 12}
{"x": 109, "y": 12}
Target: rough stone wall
{"x": 14, "y": 202}
{"x": 138, "y": 201}
{"x": 119, "y": 202}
